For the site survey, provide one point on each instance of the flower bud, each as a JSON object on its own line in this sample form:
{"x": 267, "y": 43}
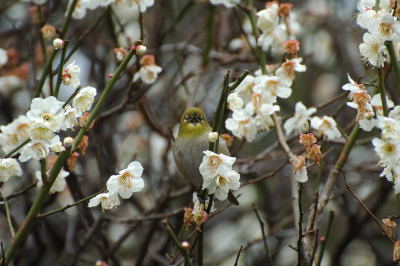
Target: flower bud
{"x": 48, "y": 31}
{"x": 185, "y": 244}
{"x": 120, "y": 53}
{"x": 284, "y": 9}
{"x": 58, "y": 43}
{"x": 389, "y": 225}
{"x": 292, "y": 47}
{"x": 212, "y": 136}
{"x": 141, "y": 49}
{"x": 68, "y": 142}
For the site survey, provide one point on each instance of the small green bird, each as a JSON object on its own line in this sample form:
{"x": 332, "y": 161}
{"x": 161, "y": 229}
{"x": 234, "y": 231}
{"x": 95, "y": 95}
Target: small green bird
{"x": 191, "y": 142}
{"x": 189, "y": 146}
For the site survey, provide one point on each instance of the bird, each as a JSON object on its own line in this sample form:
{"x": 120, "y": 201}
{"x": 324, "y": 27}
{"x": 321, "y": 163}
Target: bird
{"x": 192, "y": 140}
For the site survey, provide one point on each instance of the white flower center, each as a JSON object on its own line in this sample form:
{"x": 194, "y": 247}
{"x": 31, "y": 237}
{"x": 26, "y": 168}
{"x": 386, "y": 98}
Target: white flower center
{"x": 214, "y": 161}
{"x": 47, "y": 116}
{"x": 126, "y": 179}
{"x": 389, "y": 148}
{"x": 221, "y": 180}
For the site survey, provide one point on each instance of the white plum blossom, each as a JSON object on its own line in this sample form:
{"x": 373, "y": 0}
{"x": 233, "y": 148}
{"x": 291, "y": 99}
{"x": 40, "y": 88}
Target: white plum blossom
{"x": 263, "y": 116}
{"x": 3, "y": 57}
{"x": 395, "y": 113}
{"x": 388, "y": 150}
{"x": 107, "y": 200}
{"x": 386, "y": 27}
{"x": 376, "y": 103}
{"x": 326, "y": 126}
{"x": 289, "y": 67}
{"x": 242, "y": 124}
{"x": 70, "y": 118}
{"x": 365, "y": 5}
{"x": 361, "y": 101}
{"x": 373, "y": 50}
{"x": 299, "y": 169}
{"x": 268, "y": 19}
{"x": 40, "y": 149}
{"x": 58, "y": 185}
{"x": 273, "y": 86}
{"x": 278, "y": 24}
{"x": 14, "y": 134}
{"x": 48, "y": 111}
{"x": 83, "y": 101}
{"x": 40, "y": 132}
{"x": 148, "y": 71}
{"x": 70, "y": 75}
{"x": 227, "y": 3}
{"x": 218, "y": 175}
{"x": 82, "y": 6}
{"x": 9, "y": 167}
{"x": 299, "y": 122}
{"x": 234, "y": 101}
{"x": 127, "y": 181}
{"x": 212, "y": 136}
{"x": 352, "y": 87}
{"x": 273, "y": 39}
{"x": 389, "y": 127}
{"x": 244, "y": 91}
{"x": 365, "y": 18}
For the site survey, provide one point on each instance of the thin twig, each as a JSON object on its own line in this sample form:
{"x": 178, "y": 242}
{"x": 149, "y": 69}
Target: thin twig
{"x": 300, "y": 227}
{"x": 20, "y": 192}
{"x": 315, "y": 248}
{"x": 156, "y": 216}
{"x": 8, "y": 215}
{"x": 238, "y": 255}
{"x": 17, "y": 148}
{"x": 267, "y": 255}
{"x": 42, "y": 215}
{"x": 328, "y": 230}
{"x": 172, "y": 234}
{"x": 365, "y": 207}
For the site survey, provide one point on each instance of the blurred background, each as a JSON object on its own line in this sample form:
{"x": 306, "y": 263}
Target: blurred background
{"x": 195, "y": 43}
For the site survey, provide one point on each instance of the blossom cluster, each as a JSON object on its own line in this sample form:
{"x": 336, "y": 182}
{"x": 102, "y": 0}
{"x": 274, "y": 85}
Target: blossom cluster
{"x": 381, "y": 26}
{"x": 367, "y": 108}
{"x": 124, "y": 184}
{"x": 277, "y": 23}
{"x": 35, "y": 135}
{"x": 254, "y": 100}
{"x": 218, "y": 176}
{"x": 312, "y": 152}
{"x": 370, "y": 114}
{"x": 388, "y": 146}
